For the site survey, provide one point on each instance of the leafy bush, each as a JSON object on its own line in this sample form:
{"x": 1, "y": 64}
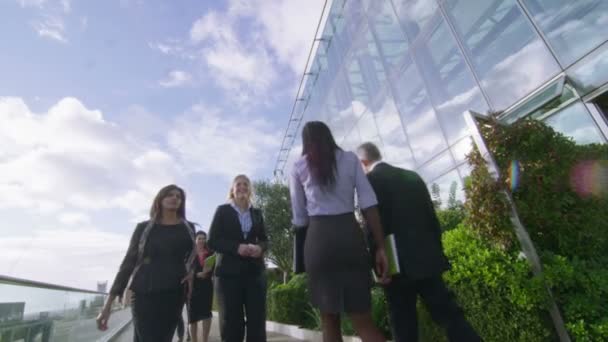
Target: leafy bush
{"x": 581, "y": 290}
{"x": 495, "y": 289}
{"x": 450, "y": 218}
{"x": 289, "y": 303}
{"x": 542, "y": 169}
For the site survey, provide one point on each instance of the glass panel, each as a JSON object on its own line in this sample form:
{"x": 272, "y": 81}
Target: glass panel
{"x": 418, "y": 116}
{"x": 340, "y": 110}
{"x": 509, "y": 57}
{"x": 30, "y": 313}
{"x": 592, "y": 71}
{"x": 351, "y": 141}
{"x": 436, "y": 167}
{"x": 416, "y": 16}
{"x": 395, "y": 148}
{"x": 573, "y": 28}
{"x": 388, "y": 33}
{"x": 368, "y": 130}
{"x": 449, "y": 189}
{"x": 576, "y": 122}
{"x": 358, "y": 88}
{"x": 461, "y": 149}
{"x": 450, "y": 83}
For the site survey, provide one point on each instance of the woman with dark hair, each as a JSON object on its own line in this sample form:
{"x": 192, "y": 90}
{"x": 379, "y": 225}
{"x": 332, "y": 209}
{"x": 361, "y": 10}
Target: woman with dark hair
{"x": 158, "y": 261}
{"x": 199, "y": 308}
{"x": 238, "y": 236}
{"x": 323, "y": 184}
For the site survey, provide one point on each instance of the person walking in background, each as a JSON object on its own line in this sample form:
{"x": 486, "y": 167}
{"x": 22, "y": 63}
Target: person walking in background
{"x": 158, "y": 260}
{"x": 322, "y": 187}
{"x": 238, "y": 235}
{"x": 407, "y": 212}
{"x": 199, "y": 308}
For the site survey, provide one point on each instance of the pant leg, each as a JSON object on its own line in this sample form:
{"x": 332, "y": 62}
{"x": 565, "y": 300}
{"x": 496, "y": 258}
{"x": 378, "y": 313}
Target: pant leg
{"x": 255, "y": 307}
{"x": 230, "y": 299}
{"x": 445, "y": 311}
{"x": 401, "y": 297}
{"x": 155, "y": 315}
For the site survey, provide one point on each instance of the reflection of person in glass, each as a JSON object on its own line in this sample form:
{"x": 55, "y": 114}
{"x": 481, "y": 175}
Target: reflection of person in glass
{"x": 407, "y": 212}
{"x": 238, "y": 236}
{"x": 199, "y": 307}
{"x": 322, "y": 185}
{"x": 158, "y": 260}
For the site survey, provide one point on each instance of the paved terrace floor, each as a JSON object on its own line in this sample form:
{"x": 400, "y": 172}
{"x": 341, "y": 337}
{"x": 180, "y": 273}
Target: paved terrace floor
{"x": 127, "y": 335}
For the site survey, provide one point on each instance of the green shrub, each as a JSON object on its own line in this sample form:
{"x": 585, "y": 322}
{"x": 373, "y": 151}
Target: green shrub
{"x": 380, "y": 311}
{"x": 450, "y": 218}
{"x": 539, "y": 166}
{"x": 581, "y": 290}
{"x": 289, "y": 303}
{"x": 495, "y": 290}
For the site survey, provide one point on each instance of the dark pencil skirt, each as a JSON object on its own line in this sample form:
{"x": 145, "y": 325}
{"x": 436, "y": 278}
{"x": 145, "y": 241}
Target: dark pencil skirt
{"x": 155, "y": 315}
{"x": 202, "y": 300}
{"x": 338, "y": 265}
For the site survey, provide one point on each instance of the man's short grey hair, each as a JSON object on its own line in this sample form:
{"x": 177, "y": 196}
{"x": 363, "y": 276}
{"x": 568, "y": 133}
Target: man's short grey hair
{"x": 370, "y": 152}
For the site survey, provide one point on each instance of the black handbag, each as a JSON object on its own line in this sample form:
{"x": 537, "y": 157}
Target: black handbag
{"x": 299, "y": 237}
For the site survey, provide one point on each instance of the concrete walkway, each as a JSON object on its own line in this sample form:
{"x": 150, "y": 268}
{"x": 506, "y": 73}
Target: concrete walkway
{"x": 127, "y": 335}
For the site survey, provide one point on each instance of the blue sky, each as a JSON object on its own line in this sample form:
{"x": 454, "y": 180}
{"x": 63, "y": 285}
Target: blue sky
{"x": 104, "y": 102}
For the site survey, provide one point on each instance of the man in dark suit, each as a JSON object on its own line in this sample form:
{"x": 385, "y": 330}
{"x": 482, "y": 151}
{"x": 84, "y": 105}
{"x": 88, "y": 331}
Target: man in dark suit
{"x": 406, "y": 210}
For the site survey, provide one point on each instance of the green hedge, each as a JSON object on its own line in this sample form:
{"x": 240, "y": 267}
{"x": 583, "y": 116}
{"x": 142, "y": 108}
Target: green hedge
{"x": 545, "y": 171}
{"x": 500, "y": 299}
{"x": 289, "y": 303}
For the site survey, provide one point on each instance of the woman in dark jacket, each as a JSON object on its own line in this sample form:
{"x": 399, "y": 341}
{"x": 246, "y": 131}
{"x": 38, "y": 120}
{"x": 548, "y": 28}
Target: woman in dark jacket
{"x": 199, "y": 308}
{"x": 158, "y": 261}
{"x": 238, "y": 236}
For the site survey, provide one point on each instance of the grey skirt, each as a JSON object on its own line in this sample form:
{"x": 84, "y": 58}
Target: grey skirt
{"x": 338, "y": 265}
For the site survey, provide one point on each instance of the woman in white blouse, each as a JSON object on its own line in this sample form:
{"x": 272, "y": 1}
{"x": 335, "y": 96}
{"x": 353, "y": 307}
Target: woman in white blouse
{"x": 322, "y": 186}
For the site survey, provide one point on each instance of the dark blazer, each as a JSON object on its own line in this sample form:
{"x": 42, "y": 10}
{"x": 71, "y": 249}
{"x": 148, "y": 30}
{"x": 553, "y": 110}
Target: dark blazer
{"x": 225, "y": 236}
{"x": 129, "y": 262}
{"x": 407, "y": 211}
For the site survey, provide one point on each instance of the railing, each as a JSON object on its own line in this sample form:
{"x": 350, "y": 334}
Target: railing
{"x": 34, "y": 311}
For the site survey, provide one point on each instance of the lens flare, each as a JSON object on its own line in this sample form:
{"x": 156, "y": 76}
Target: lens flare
{"x": 514, "y": 175}
{"x": 589, "y": 178}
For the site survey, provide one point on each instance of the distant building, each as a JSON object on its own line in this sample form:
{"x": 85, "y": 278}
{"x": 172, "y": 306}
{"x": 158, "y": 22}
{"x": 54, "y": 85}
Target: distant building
{"x": 102, "y": 286}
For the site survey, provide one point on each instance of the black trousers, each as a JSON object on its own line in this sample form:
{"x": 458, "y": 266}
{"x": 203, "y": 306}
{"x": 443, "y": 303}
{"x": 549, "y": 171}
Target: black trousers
{"x": 402, "y": 294}
{"x": 238, "y": 297}
{"x": 155, "y": 315}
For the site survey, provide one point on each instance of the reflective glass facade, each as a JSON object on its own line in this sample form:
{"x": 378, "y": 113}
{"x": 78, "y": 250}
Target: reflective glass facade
{"x": 401, "y": 73}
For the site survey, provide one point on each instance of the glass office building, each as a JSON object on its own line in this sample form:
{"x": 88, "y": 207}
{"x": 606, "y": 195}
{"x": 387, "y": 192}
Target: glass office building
{"x": 401, "y": 73}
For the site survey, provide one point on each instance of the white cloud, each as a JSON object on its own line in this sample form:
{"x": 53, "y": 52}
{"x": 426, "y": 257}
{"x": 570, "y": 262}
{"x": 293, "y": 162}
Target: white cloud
{"x": 287, "y": 26}
{"x": 176, "y": 78}
{"x": 252, "y": 46}
{"x": 71, "y": 157}
{"x": 215, "y": 144}
{"x": 239, "y": 64}
{"x": 75, "y": 218}
{"x": 50, "y": 19}
{"x": 51, "y": 27}
{"x": 31, "y": 3}
{"x": 175, "y": 48}
{"x": 87, "y": 254}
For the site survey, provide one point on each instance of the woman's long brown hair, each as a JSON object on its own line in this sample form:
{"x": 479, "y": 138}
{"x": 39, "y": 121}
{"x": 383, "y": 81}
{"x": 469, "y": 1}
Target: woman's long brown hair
{"x": 156, "y": 209}
{"x": 319, "y": 147}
